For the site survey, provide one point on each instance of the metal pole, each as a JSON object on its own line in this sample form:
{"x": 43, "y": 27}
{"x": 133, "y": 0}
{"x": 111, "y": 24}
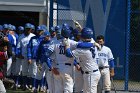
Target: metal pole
{"x": 127, "y": 44}
{"x": 51, "y": 14}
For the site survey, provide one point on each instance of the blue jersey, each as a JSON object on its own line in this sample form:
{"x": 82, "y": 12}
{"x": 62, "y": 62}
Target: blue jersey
{"x": 33, "y": 46}
{"x": 13, "y": 41}
{"x": 45, "y": 50}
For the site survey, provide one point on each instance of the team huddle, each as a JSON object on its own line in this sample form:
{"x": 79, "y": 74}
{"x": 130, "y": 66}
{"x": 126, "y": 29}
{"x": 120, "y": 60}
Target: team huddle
{"x": 60, "y": 60}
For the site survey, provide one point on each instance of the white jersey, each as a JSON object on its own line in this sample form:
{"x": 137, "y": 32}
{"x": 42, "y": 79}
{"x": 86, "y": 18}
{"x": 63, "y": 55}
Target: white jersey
{"x": 59, "y": 51}
{"x": 23, "y": 42}
{"x": 104, "y": 56}
{"x": 85, "y": 56}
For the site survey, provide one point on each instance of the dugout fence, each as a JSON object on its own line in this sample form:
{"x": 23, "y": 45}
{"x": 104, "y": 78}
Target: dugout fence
{"x": 118, "y": 21}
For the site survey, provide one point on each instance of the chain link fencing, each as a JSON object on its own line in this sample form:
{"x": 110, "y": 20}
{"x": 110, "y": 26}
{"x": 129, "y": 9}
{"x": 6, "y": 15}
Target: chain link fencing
{"x": 63, "y": 13}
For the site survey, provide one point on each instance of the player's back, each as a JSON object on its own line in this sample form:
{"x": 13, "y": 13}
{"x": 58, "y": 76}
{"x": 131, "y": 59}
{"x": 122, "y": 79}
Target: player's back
{"x": 60, "y": 53}
{"x": 87, "y": 62}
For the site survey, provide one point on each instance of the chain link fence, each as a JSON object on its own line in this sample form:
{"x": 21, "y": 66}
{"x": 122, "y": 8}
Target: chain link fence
{"x": 134, "y": 76}
{"x": 64, "y": 14}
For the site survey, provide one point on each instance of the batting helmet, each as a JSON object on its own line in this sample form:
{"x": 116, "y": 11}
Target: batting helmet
{"x": 46, "y": 33}
{"x": 76, "y": 32}
{"x": 44, "y": 27}
{"x": 20, "y": 28}
{"x": 5, "y": 26}
{"x": 32, "y": 27}
{"x": 52, "y": 29}
{"x": 65, "y": 25}
{"x": 13, "y": 28}
{"x": 39, "y": 28}
{"x": 86, "y": 33}
{"x": 66, "y": 32}
{"x": 28, "y": 25}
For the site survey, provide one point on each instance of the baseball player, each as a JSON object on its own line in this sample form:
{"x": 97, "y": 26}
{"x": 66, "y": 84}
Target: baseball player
{"x": 44, "y": 52}
{"x": 49, "y": 75}
{"x": 14, "y": 42}
{"x": 106, "y": 64}
{"x": 31, "y": 52}
{"x": 20, "y": 31}
{"x": 8, "y": 38}
{"x": 63, "y": 80}
{"x": 87, "y": 61}
{"x": 78, "y": 79}
{"x": 22, "y": 52}
{"x": 3, "y": 59}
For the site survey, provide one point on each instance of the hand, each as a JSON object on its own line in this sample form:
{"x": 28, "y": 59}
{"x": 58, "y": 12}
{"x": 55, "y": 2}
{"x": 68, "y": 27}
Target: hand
{"x": 112, "y": 73}
{"x": 78, "y": 67}
{"x": 30, "y": 61}
{"x": 55, "y": 71}
{"x": 98, "y": 46}
{"x": 77, "y": 25}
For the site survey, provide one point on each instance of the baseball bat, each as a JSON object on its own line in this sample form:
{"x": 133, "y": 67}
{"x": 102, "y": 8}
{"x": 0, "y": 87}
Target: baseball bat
{"x": 113, "y": 85}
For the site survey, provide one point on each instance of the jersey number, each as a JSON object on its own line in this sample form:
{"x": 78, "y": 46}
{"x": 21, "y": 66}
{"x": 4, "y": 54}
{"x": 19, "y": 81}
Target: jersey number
{"x": 62, "y": 49}
{"x": 92, "y": 49}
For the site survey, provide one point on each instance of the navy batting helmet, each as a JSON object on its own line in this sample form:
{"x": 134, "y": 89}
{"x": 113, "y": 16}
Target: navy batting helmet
{"x": 5, "y": 26}
{"x": 40, "y": 28}
{"x": 46, "y": 33}
{"x": 44, "y": 27}
{"x": 28, "y": 25}
{"x": 20, "y": 28}
{"x": 52, "y": 29}
{"x": 76, "y": 32}
{"x": 57, "y": 28}
{"x": 66, "y": 32}
{"x": 32, "y": 27}
{"x": 65, "y": 25}
{"x": 86, "y": 33}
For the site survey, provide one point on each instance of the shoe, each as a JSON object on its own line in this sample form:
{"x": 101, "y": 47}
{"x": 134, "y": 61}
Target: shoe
{"x": 35, "y": 91}
{"x": 107, "y": 91}
{"x": 41, "y": 89}
{"x": 32, "y": 90}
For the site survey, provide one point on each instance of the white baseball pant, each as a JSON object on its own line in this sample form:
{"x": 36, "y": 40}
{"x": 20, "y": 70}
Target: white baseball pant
{"x": 105, "y": 79}
{"x": 91, "y": 81}
{"x": 2, "y": 88}
{"x": 9, "y": 64}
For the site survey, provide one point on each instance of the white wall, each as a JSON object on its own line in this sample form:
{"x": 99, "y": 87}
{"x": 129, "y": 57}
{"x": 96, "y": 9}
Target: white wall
{"x": 23, "y": 5}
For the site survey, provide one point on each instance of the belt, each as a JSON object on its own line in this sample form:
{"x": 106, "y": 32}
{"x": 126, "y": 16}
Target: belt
{"x": 69, "y": 64}
{"x": 103, "y": 67}
{"x": 88, "y": 72}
